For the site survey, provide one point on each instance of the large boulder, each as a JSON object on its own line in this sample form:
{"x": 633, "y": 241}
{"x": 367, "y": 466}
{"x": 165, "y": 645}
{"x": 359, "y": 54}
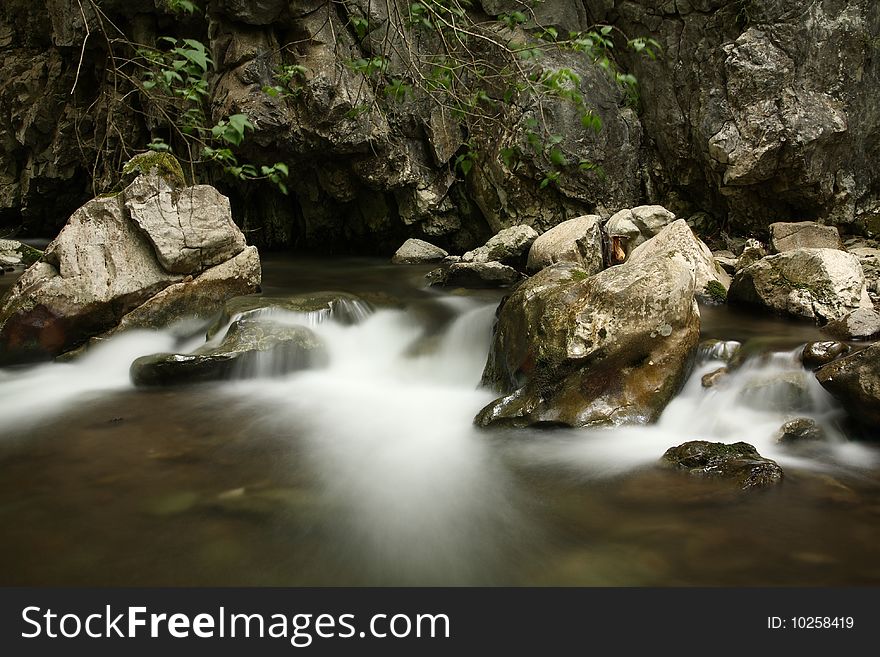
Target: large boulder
{"x": 251, "y": 348}
{"x": 803, "y": 235}
{"x": 104, "y": 265}
{"x": 855, "y": 382}
{"x": 578, "y": 241}
{"x": 739, "y": 463}
{"x": 614, "y": 348}
{"x": 820, "y": 284}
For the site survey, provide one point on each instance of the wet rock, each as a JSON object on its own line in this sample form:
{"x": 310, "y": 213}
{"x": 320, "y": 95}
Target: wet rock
{"x": 578, "y": 241}
{"x": 416, "y": 252}
{"x": 284, "y": 348}
{"x": 860, "y": 324}
{"x": 714, "y": 377}
{"x": 510, "y": 247}
{"x": 340, "y": 307}
{"x": 821, "y": 284}
{"x": 855, "y": 382}
{"x": 799, "y": 430}
{"x": 803, "y": 235}
{"x": 474, "y": 275}
{"x": 740, "y": 463}
{"x": 613, "y": 348}
{"x": 786, "y": 392}
{"x": 817, "y": 354}
{"x": 726, "y": 350}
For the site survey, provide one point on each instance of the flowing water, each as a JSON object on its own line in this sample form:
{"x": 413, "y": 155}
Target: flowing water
{"x": 369, "y": 471}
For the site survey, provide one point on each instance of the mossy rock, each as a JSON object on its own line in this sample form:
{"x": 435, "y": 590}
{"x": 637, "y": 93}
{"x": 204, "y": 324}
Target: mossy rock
{"x": 165, "y": 164}
{"x": 716, "y": 292}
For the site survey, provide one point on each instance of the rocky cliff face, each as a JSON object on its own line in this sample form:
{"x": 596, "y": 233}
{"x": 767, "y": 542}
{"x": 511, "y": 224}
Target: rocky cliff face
{"x": 756, "y": 112}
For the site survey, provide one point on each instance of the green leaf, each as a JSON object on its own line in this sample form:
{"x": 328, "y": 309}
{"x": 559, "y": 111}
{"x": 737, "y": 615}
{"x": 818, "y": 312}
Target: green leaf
{"x": 282, "y": 168}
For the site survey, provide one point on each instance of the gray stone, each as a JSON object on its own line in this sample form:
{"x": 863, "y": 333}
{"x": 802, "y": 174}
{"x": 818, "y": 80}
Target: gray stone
{"x": 860, "y": 324}
{"x": 821, "y": 284}
{"x": 578, "y": 241}
{"x": 474, "y": 275}
{"x": 509, "y": 246}
{"x": 739, "y": 463}
{"x": 613, "y": 348}
{"x": 803, "y": 235}
{"x": 191, "y": 229}
{"x": 198, "y": 297}
{"x": 417, "y": 252}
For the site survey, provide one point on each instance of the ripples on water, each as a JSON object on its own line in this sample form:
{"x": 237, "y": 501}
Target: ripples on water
{"x": 371, "y": 471}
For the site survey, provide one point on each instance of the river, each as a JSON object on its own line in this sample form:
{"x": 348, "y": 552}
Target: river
{"x": 370, "y": 472}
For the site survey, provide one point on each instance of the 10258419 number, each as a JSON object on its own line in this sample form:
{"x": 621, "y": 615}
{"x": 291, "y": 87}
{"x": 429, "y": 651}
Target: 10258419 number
{"x": 811, "y": 623}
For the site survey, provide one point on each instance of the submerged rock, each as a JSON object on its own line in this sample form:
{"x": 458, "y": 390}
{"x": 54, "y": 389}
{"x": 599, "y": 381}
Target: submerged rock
{"x": 816, "y": 354}
{"x": 417, "y": 252}
{"x": 284, "y": 349}
{"x": 578, "y": 241}
{"x": 341, "y": 307}
{"x": 821, "y": 284}
{"x": 785, "y": 392}
{"x": 740, "y": 463}
{"x": 803, "y": 235}
{"x": 579, "y": 350}
{"x": 799, "y": 430}
{"x": 860, "y": 324}
{"x": 855, "y": 382}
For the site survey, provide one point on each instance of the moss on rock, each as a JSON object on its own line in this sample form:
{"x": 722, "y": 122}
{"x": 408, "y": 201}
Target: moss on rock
{"x": 165, "y": 164}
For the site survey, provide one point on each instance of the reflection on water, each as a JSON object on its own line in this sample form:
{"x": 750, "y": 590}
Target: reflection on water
{"x": 369, "y": 470}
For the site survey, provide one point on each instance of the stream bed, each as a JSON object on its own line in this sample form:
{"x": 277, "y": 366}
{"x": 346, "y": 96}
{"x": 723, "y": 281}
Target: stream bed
{"x": 370, "y": 472}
